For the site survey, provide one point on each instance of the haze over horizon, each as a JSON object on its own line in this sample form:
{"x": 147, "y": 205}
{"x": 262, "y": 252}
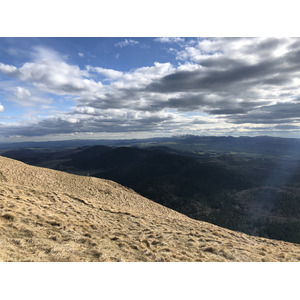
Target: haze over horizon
{"x": 119, "y": 88}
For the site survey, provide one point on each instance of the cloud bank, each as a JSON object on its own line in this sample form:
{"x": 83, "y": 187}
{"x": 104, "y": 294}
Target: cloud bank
{"x": 218, "y": 86}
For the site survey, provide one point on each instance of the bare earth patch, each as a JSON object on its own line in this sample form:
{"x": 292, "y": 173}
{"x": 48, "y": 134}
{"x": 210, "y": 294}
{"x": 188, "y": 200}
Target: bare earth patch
{"x": 48, "y": 215}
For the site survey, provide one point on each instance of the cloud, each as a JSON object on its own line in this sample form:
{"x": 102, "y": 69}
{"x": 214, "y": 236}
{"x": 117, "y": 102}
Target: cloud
{"x": 112, "y": 74}
{"x": 233, "y": 76}
{"x": 220, "y": 79}
{"x": 127, "y": 91}
{"x": 273, "y": 114}
{"x": 126, "y": 42}
{"x": 80, "y": 54}
{"x": 143, "y": 76}
{"x": 8, "y": 69}
{"x": 108, "y": 121}
{"x": 21, "y": 92}
{"x": 287, "y": 127}
{"x": 50, "y": 73}
{"x": 225, "y": 85}
{"x": 1, "y": 108}
{"x": 169, "y": 40}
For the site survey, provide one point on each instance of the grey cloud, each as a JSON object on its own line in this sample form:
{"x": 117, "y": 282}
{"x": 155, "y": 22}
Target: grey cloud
{"x": 231, "y": 107}
{"x": 199, "y": 121}
{"x": 227, "y": 111}
{"x": 188, "y": 102}
{"x": 277, "y": 79}
{"x": 293, "y": 57}
{"x": 264, "y": 46}
{"x": 97, "y": 124}
{"x": 295, "y": 44}
{"x": 238, "y": 83}
{"x": 240, "y": 90}
{"x": 273, "y": 114}
{"x": 287, "y": 127}
{"x": 212, "y": 80}
{"x": 42, "y": 128}
{"x": 223, "y": 70}
{"x": 176, "y": 82}
{"x": 221, "y": 62}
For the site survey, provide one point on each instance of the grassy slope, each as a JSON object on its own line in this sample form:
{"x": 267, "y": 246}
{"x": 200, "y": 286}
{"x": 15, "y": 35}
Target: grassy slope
{"x": 48, "y": 215}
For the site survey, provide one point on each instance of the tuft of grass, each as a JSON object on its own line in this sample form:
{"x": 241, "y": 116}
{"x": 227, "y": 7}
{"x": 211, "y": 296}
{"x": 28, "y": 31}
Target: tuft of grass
{"x": 8, "y": 216}
{"x": 210, "y": 250}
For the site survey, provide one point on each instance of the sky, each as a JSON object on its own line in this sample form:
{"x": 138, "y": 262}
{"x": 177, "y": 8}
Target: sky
{"x": 139, "y": 87}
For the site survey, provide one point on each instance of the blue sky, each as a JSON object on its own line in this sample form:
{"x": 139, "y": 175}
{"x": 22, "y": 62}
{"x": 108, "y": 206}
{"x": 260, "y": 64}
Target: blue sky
{"x": 133, "y": 87}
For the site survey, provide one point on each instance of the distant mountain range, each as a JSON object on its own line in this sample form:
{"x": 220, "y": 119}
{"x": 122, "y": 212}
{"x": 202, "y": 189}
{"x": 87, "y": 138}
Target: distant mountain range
{"x": 260, "y": 145}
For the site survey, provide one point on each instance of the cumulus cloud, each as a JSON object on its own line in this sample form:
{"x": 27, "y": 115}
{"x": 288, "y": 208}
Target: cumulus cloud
{"x": 57, "y": 77}
{"x": 127, "y": 91}
{"x": 8, "y": 69}
{"x": 144, "y": 76}
{"x": 126, "y": 42}
{"x": 49, "y": 72}
{"x": 21, "y": 92}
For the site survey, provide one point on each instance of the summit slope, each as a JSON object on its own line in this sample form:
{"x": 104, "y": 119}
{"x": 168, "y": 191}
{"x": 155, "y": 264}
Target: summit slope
{"x": 48, "y": 215}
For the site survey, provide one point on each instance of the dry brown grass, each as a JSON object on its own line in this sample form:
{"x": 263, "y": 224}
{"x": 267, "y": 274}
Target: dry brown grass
{"x": 47, "y": 215}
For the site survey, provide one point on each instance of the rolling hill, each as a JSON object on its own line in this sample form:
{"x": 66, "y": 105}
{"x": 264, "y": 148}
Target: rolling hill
{"x": 48, "y": 215}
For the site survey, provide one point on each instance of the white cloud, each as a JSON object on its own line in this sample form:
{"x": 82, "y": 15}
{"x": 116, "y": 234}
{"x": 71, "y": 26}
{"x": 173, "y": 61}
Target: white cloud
{"x": 8, "y": 69}
{"x": 126, "y": 42}
{"x": 49, "y": 72}
{"x": 248, "y": 50}
{"x": 80, "y": 54}
{"x": 143, "y": 76}
{"x": 43, "y": 54}
{"x": 169, "y": 40}
{"x": 55, "y": 76}
{"x": 1, "y": 108}
{"x": 188, "y": 67}
{"x": 112, "y": 74}
{"x": 21, "y": 92}
{"x": 72, "y": 120}
{"x": 85, "y": 110}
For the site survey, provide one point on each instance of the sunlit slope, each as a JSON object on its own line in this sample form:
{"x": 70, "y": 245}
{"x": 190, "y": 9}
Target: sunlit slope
{"x": 47, "y": 215}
